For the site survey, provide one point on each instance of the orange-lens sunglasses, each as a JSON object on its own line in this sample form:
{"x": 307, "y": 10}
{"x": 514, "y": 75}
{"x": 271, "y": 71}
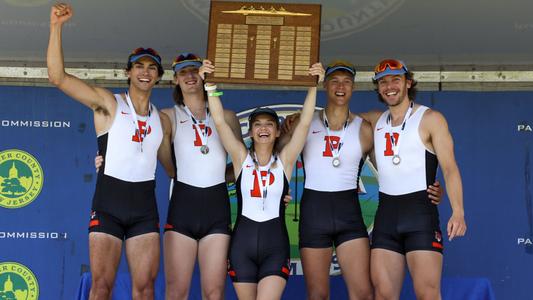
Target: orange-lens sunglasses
{"x": 392, "y": 64}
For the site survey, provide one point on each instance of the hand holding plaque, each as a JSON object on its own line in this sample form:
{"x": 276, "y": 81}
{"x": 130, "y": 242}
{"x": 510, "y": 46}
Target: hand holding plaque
{"x": 263, "y": 43}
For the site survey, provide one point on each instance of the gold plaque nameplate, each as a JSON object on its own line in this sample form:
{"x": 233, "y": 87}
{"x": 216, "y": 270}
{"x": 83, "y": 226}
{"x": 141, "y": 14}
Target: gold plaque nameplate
{"x": 263, "y": 43}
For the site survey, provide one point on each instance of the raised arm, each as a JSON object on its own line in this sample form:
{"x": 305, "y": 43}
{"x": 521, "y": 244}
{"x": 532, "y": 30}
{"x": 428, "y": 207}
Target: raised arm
{"x": 441, "y": 139}
{"x": 98, "y": 99}
{"x": 292, "y": 149}
{"x": 233, "y": 145}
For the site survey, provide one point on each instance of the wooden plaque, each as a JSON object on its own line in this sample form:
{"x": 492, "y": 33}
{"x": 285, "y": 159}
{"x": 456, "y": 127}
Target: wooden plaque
{"x": 263, "y": 43}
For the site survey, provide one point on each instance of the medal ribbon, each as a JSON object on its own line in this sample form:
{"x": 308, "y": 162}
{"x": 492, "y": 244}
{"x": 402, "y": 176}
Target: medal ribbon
{"x": 335, "y": 152}
{"x": 396, "y": 144}
{"x": 263, "y": 188}
{"x": 136, "y": 122}
{"x": 204, "y": 134}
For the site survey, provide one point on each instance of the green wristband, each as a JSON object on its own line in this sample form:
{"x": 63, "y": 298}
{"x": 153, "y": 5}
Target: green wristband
{"x": 215, "y": 94}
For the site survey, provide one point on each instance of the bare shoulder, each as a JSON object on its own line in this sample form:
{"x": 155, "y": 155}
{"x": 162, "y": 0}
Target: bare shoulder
{"x": 164, "y": 115}
{"x": 366, "y": 126}
{"x": 169, "y": 112}
{"x": 433, "y": 118}
{"x": 366, "y": 132}
{"x": 366, "y": 136}
{"x": 107, "y": 105}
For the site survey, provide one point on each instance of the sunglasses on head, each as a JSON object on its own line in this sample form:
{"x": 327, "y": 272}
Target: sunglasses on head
{"x": 392, "y": 64}
{"x": 140, "y": 51}
{"x": 185, "y": 57}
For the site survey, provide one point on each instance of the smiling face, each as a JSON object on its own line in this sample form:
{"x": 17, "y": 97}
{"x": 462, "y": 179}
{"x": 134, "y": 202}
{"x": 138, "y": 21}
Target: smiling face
{"x": 339, "y": 87}
{"x": 264, "y": 129}
{"x": 144, "y": 73}
{"x": 189, "y": 80}
{"x": 393, "y": 89}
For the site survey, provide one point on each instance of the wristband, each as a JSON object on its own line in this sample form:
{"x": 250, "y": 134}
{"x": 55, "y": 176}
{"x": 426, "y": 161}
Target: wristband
{"x": 209, "y": 87}
{"x": 215, "y": 94}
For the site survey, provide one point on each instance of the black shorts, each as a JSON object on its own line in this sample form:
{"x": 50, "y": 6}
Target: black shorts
{"x": 124, "y": 209}
{"x": 197, "y": 212}
{"x": 407, "y": 223}
{"x": 330, "y": 218}
{"x": 258, "y": 250}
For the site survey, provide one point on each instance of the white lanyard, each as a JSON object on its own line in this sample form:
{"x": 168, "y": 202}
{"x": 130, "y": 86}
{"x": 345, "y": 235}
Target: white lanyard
{"x": 204, "y": 134}
{"x": 395, "y": 143}
{"x": 335, "y": 152}
{"x": 263, "y": 188}
{"x": 136, "y": 122}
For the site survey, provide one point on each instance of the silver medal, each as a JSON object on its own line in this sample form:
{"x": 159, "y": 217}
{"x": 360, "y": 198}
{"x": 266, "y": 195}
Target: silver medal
{"x": 204, "y": 149}
{"x": 336, "y": 162}
{"x": 396, "y": 159}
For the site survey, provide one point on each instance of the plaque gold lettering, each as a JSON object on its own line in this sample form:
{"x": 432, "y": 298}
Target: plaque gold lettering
{"x": 261, "y": 20}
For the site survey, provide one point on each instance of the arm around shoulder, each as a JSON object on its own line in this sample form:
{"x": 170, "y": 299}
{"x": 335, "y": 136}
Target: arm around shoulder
{"x": 164, "y": 153}
{"x": 371, "y": 116}
{"x": 366, "y": 137}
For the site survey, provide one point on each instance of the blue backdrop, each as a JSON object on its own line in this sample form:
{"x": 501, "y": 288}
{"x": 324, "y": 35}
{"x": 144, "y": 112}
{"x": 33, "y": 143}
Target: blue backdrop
{"x": 48, "y": 235}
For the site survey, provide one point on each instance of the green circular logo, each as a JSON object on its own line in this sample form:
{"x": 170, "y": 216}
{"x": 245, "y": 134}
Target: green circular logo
{"x": 21, "y": 178}
{"x": 17, "y": 282}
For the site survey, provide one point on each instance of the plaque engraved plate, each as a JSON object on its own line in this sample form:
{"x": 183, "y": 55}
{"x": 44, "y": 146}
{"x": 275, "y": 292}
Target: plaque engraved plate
{"x": 263, "y": 43}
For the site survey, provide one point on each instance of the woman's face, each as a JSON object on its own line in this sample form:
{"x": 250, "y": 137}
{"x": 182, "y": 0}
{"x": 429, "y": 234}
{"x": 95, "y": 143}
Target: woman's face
{"x": 264, "y": 129}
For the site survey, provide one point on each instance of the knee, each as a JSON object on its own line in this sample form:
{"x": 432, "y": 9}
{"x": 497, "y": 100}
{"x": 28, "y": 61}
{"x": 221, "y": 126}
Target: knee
{"x": 174, "y": 293}
{"x": 318, "y": 294}
{"x": 215, "y": 293}
{"x": 144, "y": 290}
{"x": 363, "y": 294}
{"x": 429, "y": 291}
{"x": 382, "y": 291}
{"x": 101, "y": 288}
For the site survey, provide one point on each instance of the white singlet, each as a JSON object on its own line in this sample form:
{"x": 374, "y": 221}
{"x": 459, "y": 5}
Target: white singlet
{"x": 193, "y": 167}
{"x": 254, "y": 207}
{"x": 320, "y": 174}
{"x": 417, "y": 166}
{"x": 123, "y": 158}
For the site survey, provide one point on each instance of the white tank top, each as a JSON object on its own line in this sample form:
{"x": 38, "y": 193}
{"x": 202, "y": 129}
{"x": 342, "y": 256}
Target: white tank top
{"x": 417, "y": 164}
{"x": 320, "y": 174}
{"x": 253, "y": 205}
{"x": 193, "y": 167}
{"x": 123, "y": 158}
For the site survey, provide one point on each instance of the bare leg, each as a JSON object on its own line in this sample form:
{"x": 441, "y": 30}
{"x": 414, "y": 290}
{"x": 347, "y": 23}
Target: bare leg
{"x": 387, "y": 270}
{"x": 271, "y": 288}
{"x": 104, "y": 253}
{"x": 179, "y": 259}
{"x": 316, "y": 264}
{"x": 354, "y": 260}
{"x": 425, "y": 268}
{"x": 246, "y": 291}
{"x": 213, "y": 261}
{"x": 142, "y": 252}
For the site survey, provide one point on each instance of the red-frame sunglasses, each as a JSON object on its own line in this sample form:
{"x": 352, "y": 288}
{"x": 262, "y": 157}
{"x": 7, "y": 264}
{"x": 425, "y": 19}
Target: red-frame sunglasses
{"x": 145, "y": 50}
{"x": 185, "y": 57}
{"x": 392, "y": 64}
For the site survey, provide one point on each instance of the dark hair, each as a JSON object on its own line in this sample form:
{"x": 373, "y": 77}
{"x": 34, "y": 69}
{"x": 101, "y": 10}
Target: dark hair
{"x": 411, "y": 92}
